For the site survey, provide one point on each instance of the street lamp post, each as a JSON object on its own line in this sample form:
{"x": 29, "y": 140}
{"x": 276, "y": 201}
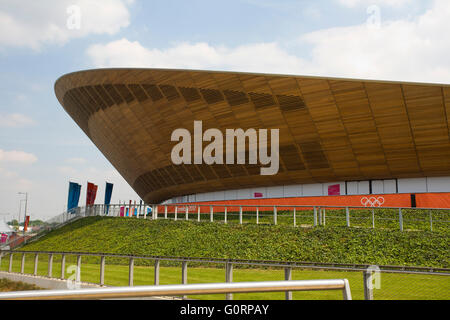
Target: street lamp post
{"x": 25, "y": 215}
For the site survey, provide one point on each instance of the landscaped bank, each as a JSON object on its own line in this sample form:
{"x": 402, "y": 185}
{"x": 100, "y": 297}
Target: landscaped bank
{"x": 261, "y": 242}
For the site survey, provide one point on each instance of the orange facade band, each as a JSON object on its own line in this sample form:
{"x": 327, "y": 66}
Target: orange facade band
{"x": 405, "y": 200}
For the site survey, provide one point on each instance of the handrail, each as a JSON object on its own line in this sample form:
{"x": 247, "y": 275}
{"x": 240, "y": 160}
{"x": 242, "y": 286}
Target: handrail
{"x": 184, "y": 204}
{"x": 185, "y": 289}
{"x": 264, "y": 263}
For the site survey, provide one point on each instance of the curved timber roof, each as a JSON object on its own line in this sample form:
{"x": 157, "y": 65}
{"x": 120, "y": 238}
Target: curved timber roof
{"x": 330, "y": 129}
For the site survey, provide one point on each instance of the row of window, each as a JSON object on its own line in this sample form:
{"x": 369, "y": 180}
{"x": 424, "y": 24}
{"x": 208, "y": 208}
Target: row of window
{"x": 412, "y": 185}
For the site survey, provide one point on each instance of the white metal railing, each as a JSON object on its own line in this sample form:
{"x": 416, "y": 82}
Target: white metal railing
{"x": 229, "y": 264}
{"x": 320, "y": 214}
{"x": 185, "y": 289}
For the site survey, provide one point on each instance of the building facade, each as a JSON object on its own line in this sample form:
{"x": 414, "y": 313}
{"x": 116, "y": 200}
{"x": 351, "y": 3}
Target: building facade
{"x": 338, "y": 138}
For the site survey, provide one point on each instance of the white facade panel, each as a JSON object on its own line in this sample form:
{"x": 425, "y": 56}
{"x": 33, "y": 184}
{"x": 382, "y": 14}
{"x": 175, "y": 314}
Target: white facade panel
{"x": 312, "y": 190}
{"x": 390, "y": 186}
{"x": 377, "y": 187}
{"x": 412, "y": 185}
{"x": 275, "y": 192}
{"x": 219, "y": 195}
{"x": 438, "y": 184}
{"x": 209, "y": 196}
{"x": 363, "y": 187}
{"x": 201, "y": 197}
{"x": 352, "y": 187}
{"x": 244, "y": 194}
{"x": 230, "y": 194}
{"x": 293, "y": 190}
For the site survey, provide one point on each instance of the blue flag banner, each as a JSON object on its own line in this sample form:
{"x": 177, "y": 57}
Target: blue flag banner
{"x": 74, "y": 195}
{"x": 108, "y": 193}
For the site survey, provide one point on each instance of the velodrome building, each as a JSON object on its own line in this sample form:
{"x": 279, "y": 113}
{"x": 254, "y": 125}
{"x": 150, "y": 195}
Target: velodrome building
{"x": 341, "y": 141}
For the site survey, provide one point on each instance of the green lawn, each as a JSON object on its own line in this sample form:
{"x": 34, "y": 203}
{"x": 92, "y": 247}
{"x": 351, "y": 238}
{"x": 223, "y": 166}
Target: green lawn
{"x": 393, "y": 286}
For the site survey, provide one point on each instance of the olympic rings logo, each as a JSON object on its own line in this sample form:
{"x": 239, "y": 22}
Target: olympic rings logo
{"x": 372, "y": 201}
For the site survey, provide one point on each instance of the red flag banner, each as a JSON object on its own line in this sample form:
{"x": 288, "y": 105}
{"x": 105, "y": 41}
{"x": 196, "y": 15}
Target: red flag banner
{"x": 27, "y": 221}
{"x": 91, "y": 193}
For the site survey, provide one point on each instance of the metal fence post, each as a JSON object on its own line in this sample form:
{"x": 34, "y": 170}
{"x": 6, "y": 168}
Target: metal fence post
{"x": 102, "y": 270}
{"x": 295, "y": 218}
{"x": 320, "y": 216}
{"x": 347, "y": 216}
{"x": 176, "y": 213}
{"x": 130, "y": 272}
{"x": 184, "y": 274}
{"x": 368, "y": 285}
{"x": 225, "y": 211}
{"x": 78, "y": 276}
{"x": 275, "y": 215}
{"x": 50, "y": 265}
{"x": 257, "y": 215}
{"x": 346, "y": 291}
{"x": 165, "y": 212}
{"x": 315, "y": 216}
{"x": 22, "y": 266}
{"x": 187, "y": 213}
{"x": 431, "y": 221}
{"x": 10, "y": 261}
{"x": 36, "y": 260}
{"x": 324, "y": 215}
{"x": 400, "y": 218}
{"x": 156, "y": 212}
{"x": 198, "y": 214}
{"x": 63, "y": 265}
{"x": 211, "y": 213}
{"x": 156, "y": 272}
{"x": 229, "y": 278}
{"x": 288, "y": 277}
{"x": 240, "y": 214}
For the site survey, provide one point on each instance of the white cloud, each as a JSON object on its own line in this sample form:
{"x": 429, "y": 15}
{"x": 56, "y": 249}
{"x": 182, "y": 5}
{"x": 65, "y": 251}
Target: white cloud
{"x": 15, "y": 120}
{"x": 391, "y": 3}
{"x": 124, "y": 53}
{"x": 402, "y": 50}
{"x": 17, "y": 157}
{"x": 409, "y": 50}
{"x": 46, "y": 21}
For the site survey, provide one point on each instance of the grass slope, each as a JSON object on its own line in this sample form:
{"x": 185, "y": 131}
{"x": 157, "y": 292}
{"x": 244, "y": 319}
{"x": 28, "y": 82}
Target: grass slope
{"x": 214, "y": 240}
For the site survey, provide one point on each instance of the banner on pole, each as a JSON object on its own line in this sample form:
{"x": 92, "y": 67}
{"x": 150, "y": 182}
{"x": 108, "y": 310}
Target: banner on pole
{"x": 27, "y": 221}
{"x": 91, "y": 194}
{"x": 108, "y": 193}
{"x": 74, "y": 195}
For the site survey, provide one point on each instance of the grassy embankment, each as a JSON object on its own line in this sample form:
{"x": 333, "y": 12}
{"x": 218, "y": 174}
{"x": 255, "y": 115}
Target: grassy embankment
{"x": 181, "y": 238}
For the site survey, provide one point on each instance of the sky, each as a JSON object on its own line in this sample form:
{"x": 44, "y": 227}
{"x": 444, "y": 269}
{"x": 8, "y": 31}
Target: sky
{"x": 42, "y": 148}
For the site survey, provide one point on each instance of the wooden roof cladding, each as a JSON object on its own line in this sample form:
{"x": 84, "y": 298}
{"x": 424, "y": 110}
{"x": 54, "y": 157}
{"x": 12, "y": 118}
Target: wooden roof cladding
{"x": 330, "y": 129}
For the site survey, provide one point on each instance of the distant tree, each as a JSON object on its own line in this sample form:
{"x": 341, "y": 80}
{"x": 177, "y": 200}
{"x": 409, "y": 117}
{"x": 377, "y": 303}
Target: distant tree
{"x": 13, "y": 222}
